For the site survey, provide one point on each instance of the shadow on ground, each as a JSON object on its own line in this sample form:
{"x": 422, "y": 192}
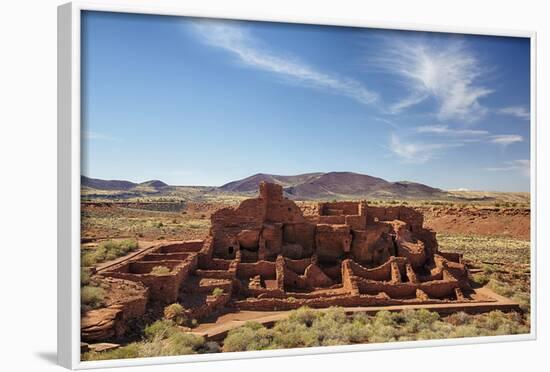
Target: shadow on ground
{"x": 48, "y": 356}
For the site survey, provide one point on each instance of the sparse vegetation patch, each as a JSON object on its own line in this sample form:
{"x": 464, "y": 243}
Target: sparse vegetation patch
{"x": 107, "y": 250}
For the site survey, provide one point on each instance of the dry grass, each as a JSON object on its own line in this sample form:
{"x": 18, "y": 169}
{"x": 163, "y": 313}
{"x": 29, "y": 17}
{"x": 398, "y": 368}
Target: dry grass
{"x": 118, "y": 222}
{"x": 160, "y": 270}
{"x": 505, "y": 263}
{"x": 106, "y": 251}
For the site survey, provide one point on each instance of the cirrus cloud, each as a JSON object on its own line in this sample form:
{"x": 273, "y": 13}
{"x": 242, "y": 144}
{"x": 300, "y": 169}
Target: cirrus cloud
{"x": 505, "y": 139}
{"x": 235, "y": 39}
{"x": 447, "y": 72}
{"x": 517, "y": 111}
{"x": 523, "y": 166}
{"x": 415, "y": 151}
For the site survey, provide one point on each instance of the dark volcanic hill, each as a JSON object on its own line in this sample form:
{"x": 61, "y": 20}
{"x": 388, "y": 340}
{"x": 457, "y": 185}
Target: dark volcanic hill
{"x": 337, "y": 185}
{"x": 308, "y": 186}
{"x": 118, "y": 185}
{"x": 250, "y": 184}
{"x": 96, "y": 183}
{"x": 154, "y": 183}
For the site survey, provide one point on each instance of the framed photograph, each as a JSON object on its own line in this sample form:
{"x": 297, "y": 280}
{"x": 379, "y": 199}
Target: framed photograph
{"x": 242, "y": 185}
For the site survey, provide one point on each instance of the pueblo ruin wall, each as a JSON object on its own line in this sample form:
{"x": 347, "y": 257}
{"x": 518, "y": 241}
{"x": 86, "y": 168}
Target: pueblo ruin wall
{"x": 266, "y": 254}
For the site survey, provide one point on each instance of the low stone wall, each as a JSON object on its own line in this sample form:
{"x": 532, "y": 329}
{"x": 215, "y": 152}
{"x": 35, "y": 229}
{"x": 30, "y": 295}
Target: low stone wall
{"x": 266, "y": 269}
{"x": 212, "y": 305}
{"x": 162, "y": 288}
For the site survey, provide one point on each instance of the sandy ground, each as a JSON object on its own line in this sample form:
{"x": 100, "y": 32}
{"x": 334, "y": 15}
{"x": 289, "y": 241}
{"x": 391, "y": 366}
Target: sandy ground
{"x": 511, "y": 223}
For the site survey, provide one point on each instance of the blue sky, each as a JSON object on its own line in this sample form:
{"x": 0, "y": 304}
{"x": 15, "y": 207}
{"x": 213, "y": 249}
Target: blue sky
{"x": 205, "y": 102}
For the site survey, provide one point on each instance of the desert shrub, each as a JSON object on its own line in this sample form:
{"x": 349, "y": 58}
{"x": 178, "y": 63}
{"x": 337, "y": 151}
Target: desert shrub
{"x": 84, "y": 277}
{"x": 251, "y": 336}
{"x": 175, "y": 313}
{"x": 420, "y": 321}
{"x": 290, "y": 333}
{"x": 107, "y": 250}
{"x": 481, "y": 278}
{"x": 488, "y": 269}
{"x": 333, "y": 327}
{"x": 161, "y": 329}
{"x": 524, "y": 300}
{"x": 217, "y": 292}
{"x": 160, "y": 270}
{"x": 92, "y": 297}
{"x": 499, "y": 323}
{"x": 181, "y": 343}
{"x": 163, "y": 338}
{"x": 464, "y": 331}
{"x": 306, "y": 327}
{"x": 501, "y": 288}
{"x": 458, "y": 319}
{"x": 304, "y": 315}
{"x": 129, "y": 351}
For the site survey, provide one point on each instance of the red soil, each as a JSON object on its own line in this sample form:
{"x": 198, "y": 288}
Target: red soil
{"x": 512, "y": 223}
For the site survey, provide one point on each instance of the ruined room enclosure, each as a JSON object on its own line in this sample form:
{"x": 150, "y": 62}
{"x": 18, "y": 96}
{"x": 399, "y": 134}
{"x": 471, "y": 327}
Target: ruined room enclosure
{"x": 267, "y": 255}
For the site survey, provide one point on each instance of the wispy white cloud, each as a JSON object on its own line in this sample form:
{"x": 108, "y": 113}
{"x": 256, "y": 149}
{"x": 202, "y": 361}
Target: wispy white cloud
{"x": 447, "y": 72}
{"x": 447, "y": 131}
{"x": 411, "y": 100}
{"x": 417, "y": 152}
{"x": 388, "y": 122}
{"x": 505, "y": 139}
{"x": 469, "y": 135}
{"x": 235, "y": 39}
{"x": 517, "y": 111}
{"x": 522, "y": 166}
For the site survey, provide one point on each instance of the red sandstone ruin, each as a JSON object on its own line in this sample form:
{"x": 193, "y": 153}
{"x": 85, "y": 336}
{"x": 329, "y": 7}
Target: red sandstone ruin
{"x": 268, "y": 254}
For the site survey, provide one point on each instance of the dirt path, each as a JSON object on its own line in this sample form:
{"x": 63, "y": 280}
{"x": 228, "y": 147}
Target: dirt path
{"x": 218, "y": 329}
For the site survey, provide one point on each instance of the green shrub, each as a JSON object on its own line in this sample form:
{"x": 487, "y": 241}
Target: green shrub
{"x": 481, "y": 278}
{"x": 84, "y": 277}
{"x": 306, "y": 327}
{"x": 92, "y": 297}
{"x": 184, "y": 340}
{"x": 304, "y": 315}
{"x": 106, "y": 251}
{"x": 458, "y": 319}
{"x": 217, "y": 292}
{"x": 124, "y": 352}
{"x": 175, "y": 313}
{"x": 251, "y": 336}
{"x": 163, "y": 338}
{"x": 161, "y": 329}
{"x": 160, "y": 270}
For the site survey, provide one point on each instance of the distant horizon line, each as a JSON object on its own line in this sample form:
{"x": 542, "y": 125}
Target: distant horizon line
{"x": 299, "y": 174}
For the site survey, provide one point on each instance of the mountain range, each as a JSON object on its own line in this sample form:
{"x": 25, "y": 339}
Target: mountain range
{"x": 308, "y": 186}
{"x": 119, "y": 185}
{"x": 337, "y": 185}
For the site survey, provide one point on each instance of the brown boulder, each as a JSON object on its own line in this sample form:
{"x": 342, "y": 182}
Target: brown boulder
{"x": 102, "y": 324}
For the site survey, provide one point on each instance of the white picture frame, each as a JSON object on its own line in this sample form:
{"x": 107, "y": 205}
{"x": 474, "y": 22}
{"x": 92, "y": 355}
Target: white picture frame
{"x": 69, "y": 139}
